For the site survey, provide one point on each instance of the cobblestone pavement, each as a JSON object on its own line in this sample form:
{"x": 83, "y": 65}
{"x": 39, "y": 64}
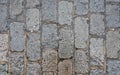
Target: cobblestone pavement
{"x": 59, "y": 37}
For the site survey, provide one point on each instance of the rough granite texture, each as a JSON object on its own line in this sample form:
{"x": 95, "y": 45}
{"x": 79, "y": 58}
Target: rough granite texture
{"x": 59, "y": 37}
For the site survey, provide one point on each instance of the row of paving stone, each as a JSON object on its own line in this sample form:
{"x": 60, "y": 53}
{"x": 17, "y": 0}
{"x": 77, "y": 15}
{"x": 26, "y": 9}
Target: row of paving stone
{"x": 59, "y": 37}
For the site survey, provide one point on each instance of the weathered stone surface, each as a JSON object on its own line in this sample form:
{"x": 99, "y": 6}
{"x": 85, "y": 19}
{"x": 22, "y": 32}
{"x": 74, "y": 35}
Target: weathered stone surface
{"x": 112, "y": 15}
{"x": 3, "y": 69}
{"x": 65, "y": 68}
{"x": 32, "y": 3}
{"x": 81, "y": 62}
{"x": 96, "y": 51}
{"x": 49, "y": 36}
{"x": 48, "y": 73}
{"x": 97, "y": 24}
{"x": 97, "y": 72}
{"x": 3, "y": 20}
{"x": 65, "y": 12}
{"x": 113, "y": 67}
{"x": 49, "y": 10}
{"x": 3, "y": 47}
{"x": 17, "y": 36}
{"x": 66, "y": 42}
{"x": 17, "y": 64}
{"x": 33, "y": 68}
{"x": 33, "y": 46}
{"x": 97, "y": 5}
{"x": 3, "y": 1}
{"x": 81, "y": 32}
{"x": 113, "y": 44}
{"x": 49, "y": 62}
{"x": 32, "y": 19}
{"x": 81, "y": 7}
{"x": 16, "y": 8}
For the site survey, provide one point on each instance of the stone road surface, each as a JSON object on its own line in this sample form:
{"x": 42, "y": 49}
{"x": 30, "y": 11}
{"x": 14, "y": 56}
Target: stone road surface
{"x": 59, "y": 37}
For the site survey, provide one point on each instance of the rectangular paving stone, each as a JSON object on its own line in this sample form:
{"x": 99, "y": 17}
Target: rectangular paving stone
{"x": 97, "y": 24}
{"x": 97, "y": 6}
{"x": 65, "y": 68}
{"x": 32, "y": 3}
{"x": 81, "y": 7}
{"x": 3, "y": 1}
{"x": 49, "y": 62}
{"x": 17, "y": 36}
{"x": 81, "y": 32}
{"x": 17, "y": 64}
{"x": 96, "y": 52}
{"x": 16, "y": 8}
{"x": 3, "y": 18}
{"x": 65, "y": 12}
{"x": 97, "y": 72}
{"x": 113, "y": 67}
{"x": 32, "y": 19}
{"x": 81, "y": 61}
{"x": 49, "y": 36}
{"x": 113, "y": 15}
{"x": 33, "y": 46}
{"x": 49, "y": 10}
{"x": 3, "y": 47}
{"x": 113, "y": 44}
{"x": 3, "y": 69}
{"x": 66, "y": 42}
{"x": 33, "y": 68}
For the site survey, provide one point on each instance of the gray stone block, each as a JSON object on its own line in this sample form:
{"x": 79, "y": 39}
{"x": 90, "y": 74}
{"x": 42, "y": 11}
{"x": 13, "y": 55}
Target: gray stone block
{"x": 96, "y": 52}
{"x": 65, "y": 10}
{"x": 81, "y": 32}
{"x": 17, "y": 64}
{"x": 81, "y": 7}
{"x": 3, "y": 47}
{"x": 16, "y": 8}
{"x": 33, "y": 68}
{"x": 112, "y": 15}
{"x": 17, "y": 36}
{"x": 49, "y": 36}
{"x": 81, "y": 62}
{"x": 113, "y": 44}
{"x": 66, "y": 42}
{"x": 113, "y": 67}
{"x": 97, "y": 24}
{"x": 97, "y": 6}
{"x": 3, "y": 18}
{"x": 49, "y": 10}
{"x": 32, "y": 19}
{"x": 33, "y": 46}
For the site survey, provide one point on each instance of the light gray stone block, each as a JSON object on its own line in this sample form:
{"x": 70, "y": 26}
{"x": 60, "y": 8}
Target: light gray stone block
{"x": 66, "y": 42}
{"x": 65, "y": 10}
{"x": 32, "y": 19}
{"x": 81, "y": 62}
{"x": 96, "y": 52}
{"x": 81, "y": 32}
{"x": 49, "y": 36}
{"x": 113, "y": 44}
{"x": 33, "y": 46}
{"x": 17, "y": 36}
